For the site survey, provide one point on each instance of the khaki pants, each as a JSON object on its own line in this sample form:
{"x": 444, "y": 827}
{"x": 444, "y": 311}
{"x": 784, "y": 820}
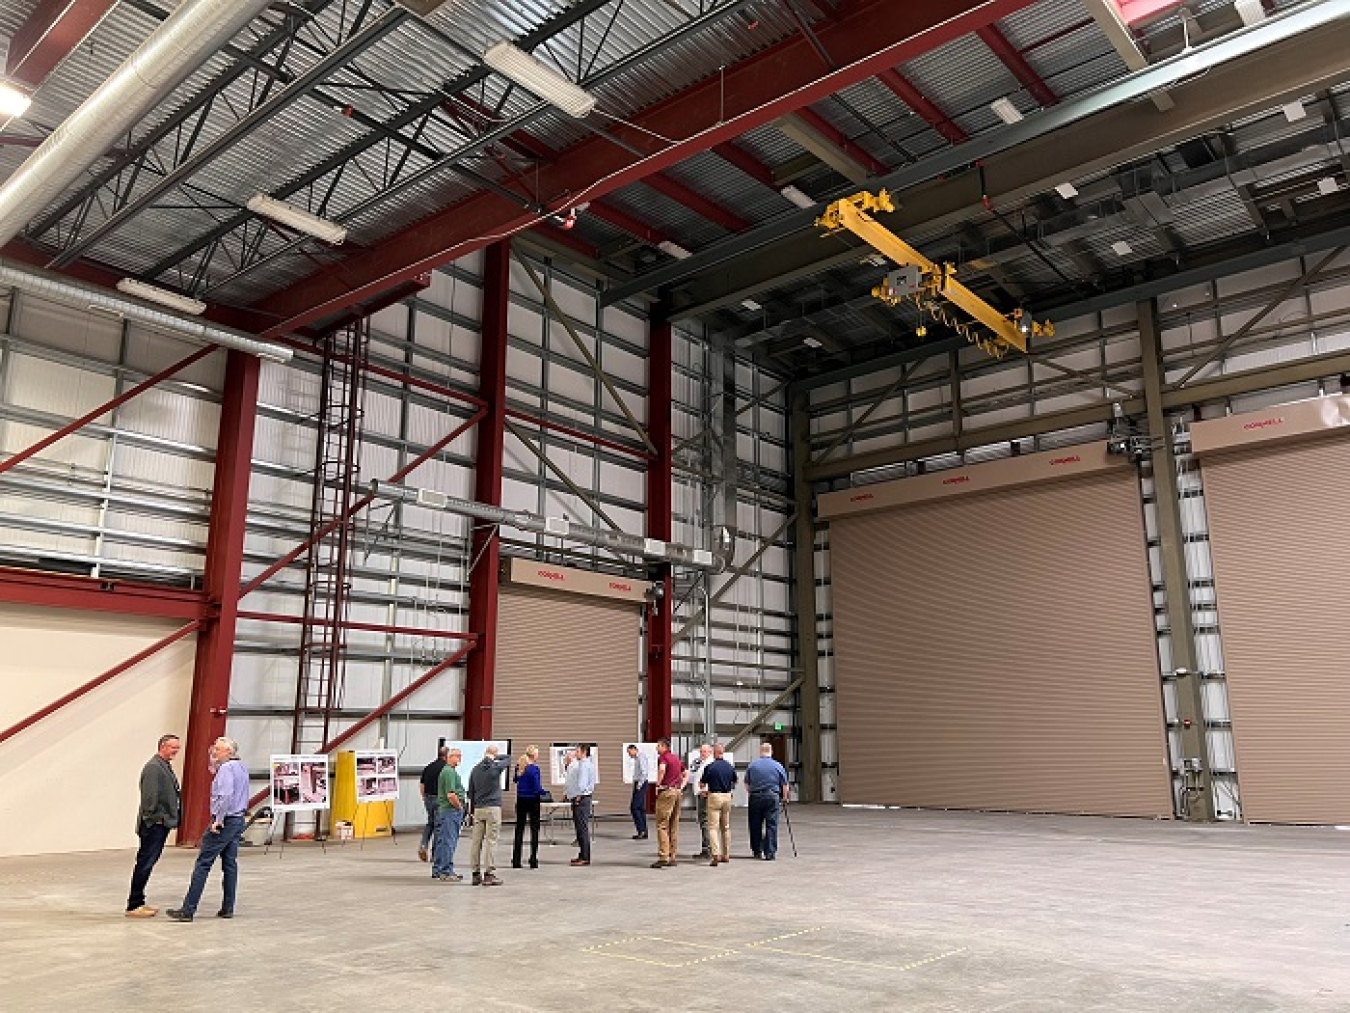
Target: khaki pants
{"x": 667, "y": 823}
{"x": 487, "y": 824}
{"x": 719, "y": 823}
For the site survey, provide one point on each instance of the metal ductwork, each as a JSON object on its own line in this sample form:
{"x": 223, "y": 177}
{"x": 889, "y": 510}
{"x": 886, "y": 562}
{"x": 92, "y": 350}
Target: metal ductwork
{"x": 181, "y": 44}
{"x": 46, "y": 285}
{"x": 557, "y": 527}
{"x": 725, "y": 462}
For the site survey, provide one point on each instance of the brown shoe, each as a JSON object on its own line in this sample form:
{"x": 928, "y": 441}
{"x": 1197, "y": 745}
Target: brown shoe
{"x": 491, "y": 880}
{"x": 142, "y": 912}
{"x": 422, "y": 854}
{"x": 578, "y": 861}
{"x": 715, "y": 862}
{"x": 724, "y": 859}
{"x": 658, "y": 864}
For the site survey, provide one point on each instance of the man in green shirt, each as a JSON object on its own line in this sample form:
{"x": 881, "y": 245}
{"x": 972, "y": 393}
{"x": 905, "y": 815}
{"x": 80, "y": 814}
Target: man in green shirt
{"x": 450, "y": 797}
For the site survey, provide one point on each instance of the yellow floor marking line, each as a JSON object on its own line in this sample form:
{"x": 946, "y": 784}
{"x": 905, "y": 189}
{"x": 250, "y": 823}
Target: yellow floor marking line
{"x": 867, "y": 963}
{"x": 790, "y": 935}
{"x": 684, "y": 942}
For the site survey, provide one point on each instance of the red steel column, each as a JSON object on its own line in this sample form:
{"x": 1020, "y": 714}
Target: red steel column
{"x": 224, "y": 566}
{"x": 487, "y": 488}
{"x": 659, "y": 526}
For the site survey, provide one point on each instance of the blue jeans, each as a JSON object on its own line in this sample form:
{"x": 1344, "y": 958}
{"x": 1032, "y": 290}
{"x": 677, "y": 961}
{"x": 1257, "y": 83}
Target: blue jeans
{"x": 222, "y": 844}
{"x": 447, "y": 837}
{"x": 638, "y": 809}
{"x": 433, "y": 815}
{"x": 764, "y": 825}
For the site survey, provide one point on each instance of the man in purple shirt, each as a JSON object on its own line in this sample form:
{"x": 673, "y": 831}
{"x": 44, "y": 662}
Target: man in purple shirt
{"x": 229, "y": 799}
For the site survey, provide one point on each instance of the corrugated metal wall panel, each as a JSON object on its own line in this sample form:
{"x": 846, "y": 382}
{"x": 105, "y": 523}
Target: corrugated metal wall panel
{"x": 567, "y": 671}
{"x": 997, "y": 652}
{"x": 1277, "y": 534}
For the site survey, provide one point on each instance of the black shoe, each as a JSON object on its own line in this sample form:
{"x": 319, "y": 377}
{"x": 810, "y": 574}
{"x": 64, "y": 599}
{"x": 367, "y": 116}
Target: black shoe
{"x": 639, "y": 837}
{"x": 224, "y": 914}
{"x": 177, "y": 914}
{"x": 534, "y": 863}
{"x": 768, "y": 858}
{"x": 515, "y": 865}
{"x": 758, "y": 855}
{"x": 659, "y": 864}
{"x": 477, "y": 879}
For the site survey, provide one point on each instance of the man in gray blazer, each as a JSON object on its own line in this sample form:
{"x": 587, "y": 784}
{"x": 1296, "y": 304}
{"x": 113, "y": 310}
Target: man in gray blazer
{"x": 159, "y": 813}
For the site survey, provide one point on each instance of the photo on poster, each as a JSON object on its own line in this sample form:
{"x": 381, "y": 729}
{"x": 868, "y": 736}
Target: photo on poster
{"x": 472, "y": 753}
{"x": 696, "y": 776}
{"x": 299, "y": 783}
{"x": 376, "y": 775}
{"x": 560, "y": 754}
{"x": 647, "y": 749}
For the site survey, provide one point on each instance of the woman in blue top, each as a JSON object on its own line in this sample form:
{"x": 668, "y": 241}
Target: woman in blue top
{"x": 529, "y": 792}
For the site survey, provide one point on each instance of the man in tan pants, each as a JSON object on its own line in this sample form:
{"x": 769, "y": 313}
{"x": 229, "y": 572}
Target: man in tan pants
{"x": 670, "y": 778}
{"x": 485, "y": 801}
{"x": 719, "y": 777}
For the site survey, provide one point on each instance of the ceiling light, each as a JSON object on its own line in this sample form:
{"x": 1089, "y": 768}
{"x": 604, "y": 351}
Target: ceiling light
{"x": 673, "y": 249}
{"x": 152, "y": 293}
{"x": 1121, "y": 248}
{"x": 874, "y": 260}
{"x": 1005, "y": 110}
{"x": 535, "y": 76}
{"x": 13, "y": 100}
{"x": 802, "y": 200}
{"x": 751, "y": 305}
{"x": 1250, "y": 11}
{"x": 1067, "y": 190}
{"x": 1294, "y": 111}
{"x": 811, "y": 342}
{"x": 1327, "y": 185}
{"x": 297, "y": 218}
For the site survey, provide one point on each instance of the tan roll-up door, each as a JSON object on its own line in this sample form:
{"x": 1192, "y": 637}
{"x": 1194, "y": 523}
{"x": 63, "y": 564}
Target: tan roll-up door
{"x": 567, "y": 670}
{"x": 1279, "y": 535}
{"x": 997, "y": 651}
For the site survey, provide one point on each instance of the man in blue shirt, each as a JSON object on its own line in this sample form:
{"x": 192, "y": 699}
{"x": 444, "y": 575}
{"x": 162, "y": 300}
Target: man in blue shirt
{"x": 642, "y": 775}
{"x": 229, "y": 799}
{"x": 767, "y": 783}
{"x": 719, "y": 778}
{"x": 579, "y": 784}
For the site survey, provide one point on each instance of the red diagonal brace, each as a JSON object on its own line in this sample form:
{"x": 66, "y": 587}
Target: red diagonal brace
{"x": 358, "y": 506}
{"x": 921, "y": 104}
{"x": 51, "y": 33}
{"x": 695, "y": 201}
{"x": 95, "y": 683}
{"x": 103, "y": 409}
{"x": 1017, "y": 63}
{"x": 835, "y": 136}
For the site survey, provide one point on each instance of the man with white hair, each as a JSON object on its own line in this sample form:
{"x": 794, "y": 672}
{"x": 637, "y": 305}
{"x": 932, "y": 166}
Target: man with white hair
{"x": 485, "y": 803}
{"x": 229, "y": 799}
{"x": 767, "y": 783}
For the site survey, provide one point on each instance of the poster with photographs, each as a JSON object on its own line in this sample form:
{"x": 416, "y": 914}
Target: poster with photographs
{"x": 696, "y": 776}
{"x": 376, "y": 775}
{"x": 645, "y": 749}
{"x": 299, "y": 783}
{"x": 471, "y": 753}
{"x": 560, "y": 754}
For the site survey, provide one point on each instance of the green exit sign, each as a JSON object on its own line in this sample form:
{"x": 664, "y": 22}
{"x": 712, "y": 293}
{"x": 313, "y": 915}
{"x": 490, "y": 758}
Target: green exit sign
{"x": 778, "y": 726}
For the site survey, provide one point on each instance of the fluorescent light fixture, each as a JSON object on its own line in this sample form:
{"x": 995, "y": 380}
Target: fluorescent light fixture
{"x": 13, "y": 101}
{"x": 1327, "y": 185}
{"x": 751, "y": 305}
{"x": 811, "y": 342}
{"x": 1250, "y": 11}
{"x": 874, "y": 260}
{"x": 297, "y": 218}
{"x": 1294, "y": 111}
{"x": 1067, "y": 190}
{"x": 673, "y": 249}
{"x": 802, "y": 200}
{"x": 1005, "y": 110}
{"x": 1122, "y": 248}
{"x": 538, "y": 77}
{"x": 152, "y": 293}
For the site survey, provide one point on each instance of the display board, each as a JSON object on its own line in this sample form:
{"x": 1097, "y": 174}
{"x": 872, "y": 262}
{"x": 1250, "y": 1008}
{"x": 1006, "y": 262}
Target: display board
{"x": 299, "y": 783}
{"x": 472, "y": 753}
{"x": 376, "y": 775}
{"x": 647, "y": 749}
{"x": 557, "y": 762}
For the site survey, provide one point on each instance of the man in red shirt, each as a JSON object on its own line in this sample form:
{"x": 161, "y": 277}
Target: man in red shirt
{"x": 670, "y": 778}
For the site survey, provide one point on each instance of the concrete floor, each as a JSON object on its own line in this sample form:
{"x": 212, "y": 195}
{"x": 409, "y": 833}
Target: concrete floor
{"x": 971, "y": 913}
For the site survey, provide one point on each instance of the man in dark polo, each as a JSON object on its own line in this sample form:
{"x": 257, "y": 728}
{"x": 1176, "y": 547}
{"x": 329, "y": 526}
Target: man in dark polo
{"x": 159, "y": 813}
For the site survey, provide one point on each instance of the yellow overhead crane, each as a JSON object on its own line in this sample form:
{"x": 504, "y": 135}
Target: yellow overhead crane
{"x": 928, "y": 284}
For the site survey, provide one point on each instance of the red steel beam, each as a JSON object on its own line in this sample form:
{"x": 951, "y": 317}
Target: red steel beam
{"x": 343, "y": 624}
{"x": 359, "y": 505}
{"x": 1015, "y": 61}
{"x": 659, "y": 502}
{"x": 98, "y": 681}
{"x": 485, "y": 581}
{"x": 104, "y": 408}
{"x": 224, "y": 567}
{"x": 383, "y": 708}
{"x": 671, "y": 187}
{"x": 835, "y": 136}
{"x": 579, "y": 434}
{"x": 624, "y": 221}
{"x": 905, "y": 90}
{"x": 746, "y": 162}
{"x": 51, "y": 33}
{"x": 868, "y": 36}
{"x": 98, "y": 594}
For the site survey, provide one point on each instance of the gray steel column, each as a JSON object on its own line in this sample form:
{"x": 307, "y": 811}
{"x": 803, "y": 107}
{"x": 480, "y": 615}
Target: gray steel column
{"x": 1176, "y": 586}
{"x": 804, "y": 581}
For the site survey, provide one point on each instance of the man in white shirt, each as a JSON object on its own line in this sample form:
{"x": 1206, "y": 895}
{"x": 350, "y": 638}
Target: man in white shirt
{"x": 579, "y": 786}
{"x": 696, "y": 766}
{"x": 642, "y": 775}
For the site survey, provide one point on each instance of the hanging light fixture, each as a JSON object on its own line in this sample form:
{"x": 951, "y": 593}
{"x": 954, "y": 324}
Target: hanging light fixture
{"x": 14, "y": 101}
{"x": 535, "y": 76}
{"x": 153, "y": 293}
{"x": 297, "y": 218}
